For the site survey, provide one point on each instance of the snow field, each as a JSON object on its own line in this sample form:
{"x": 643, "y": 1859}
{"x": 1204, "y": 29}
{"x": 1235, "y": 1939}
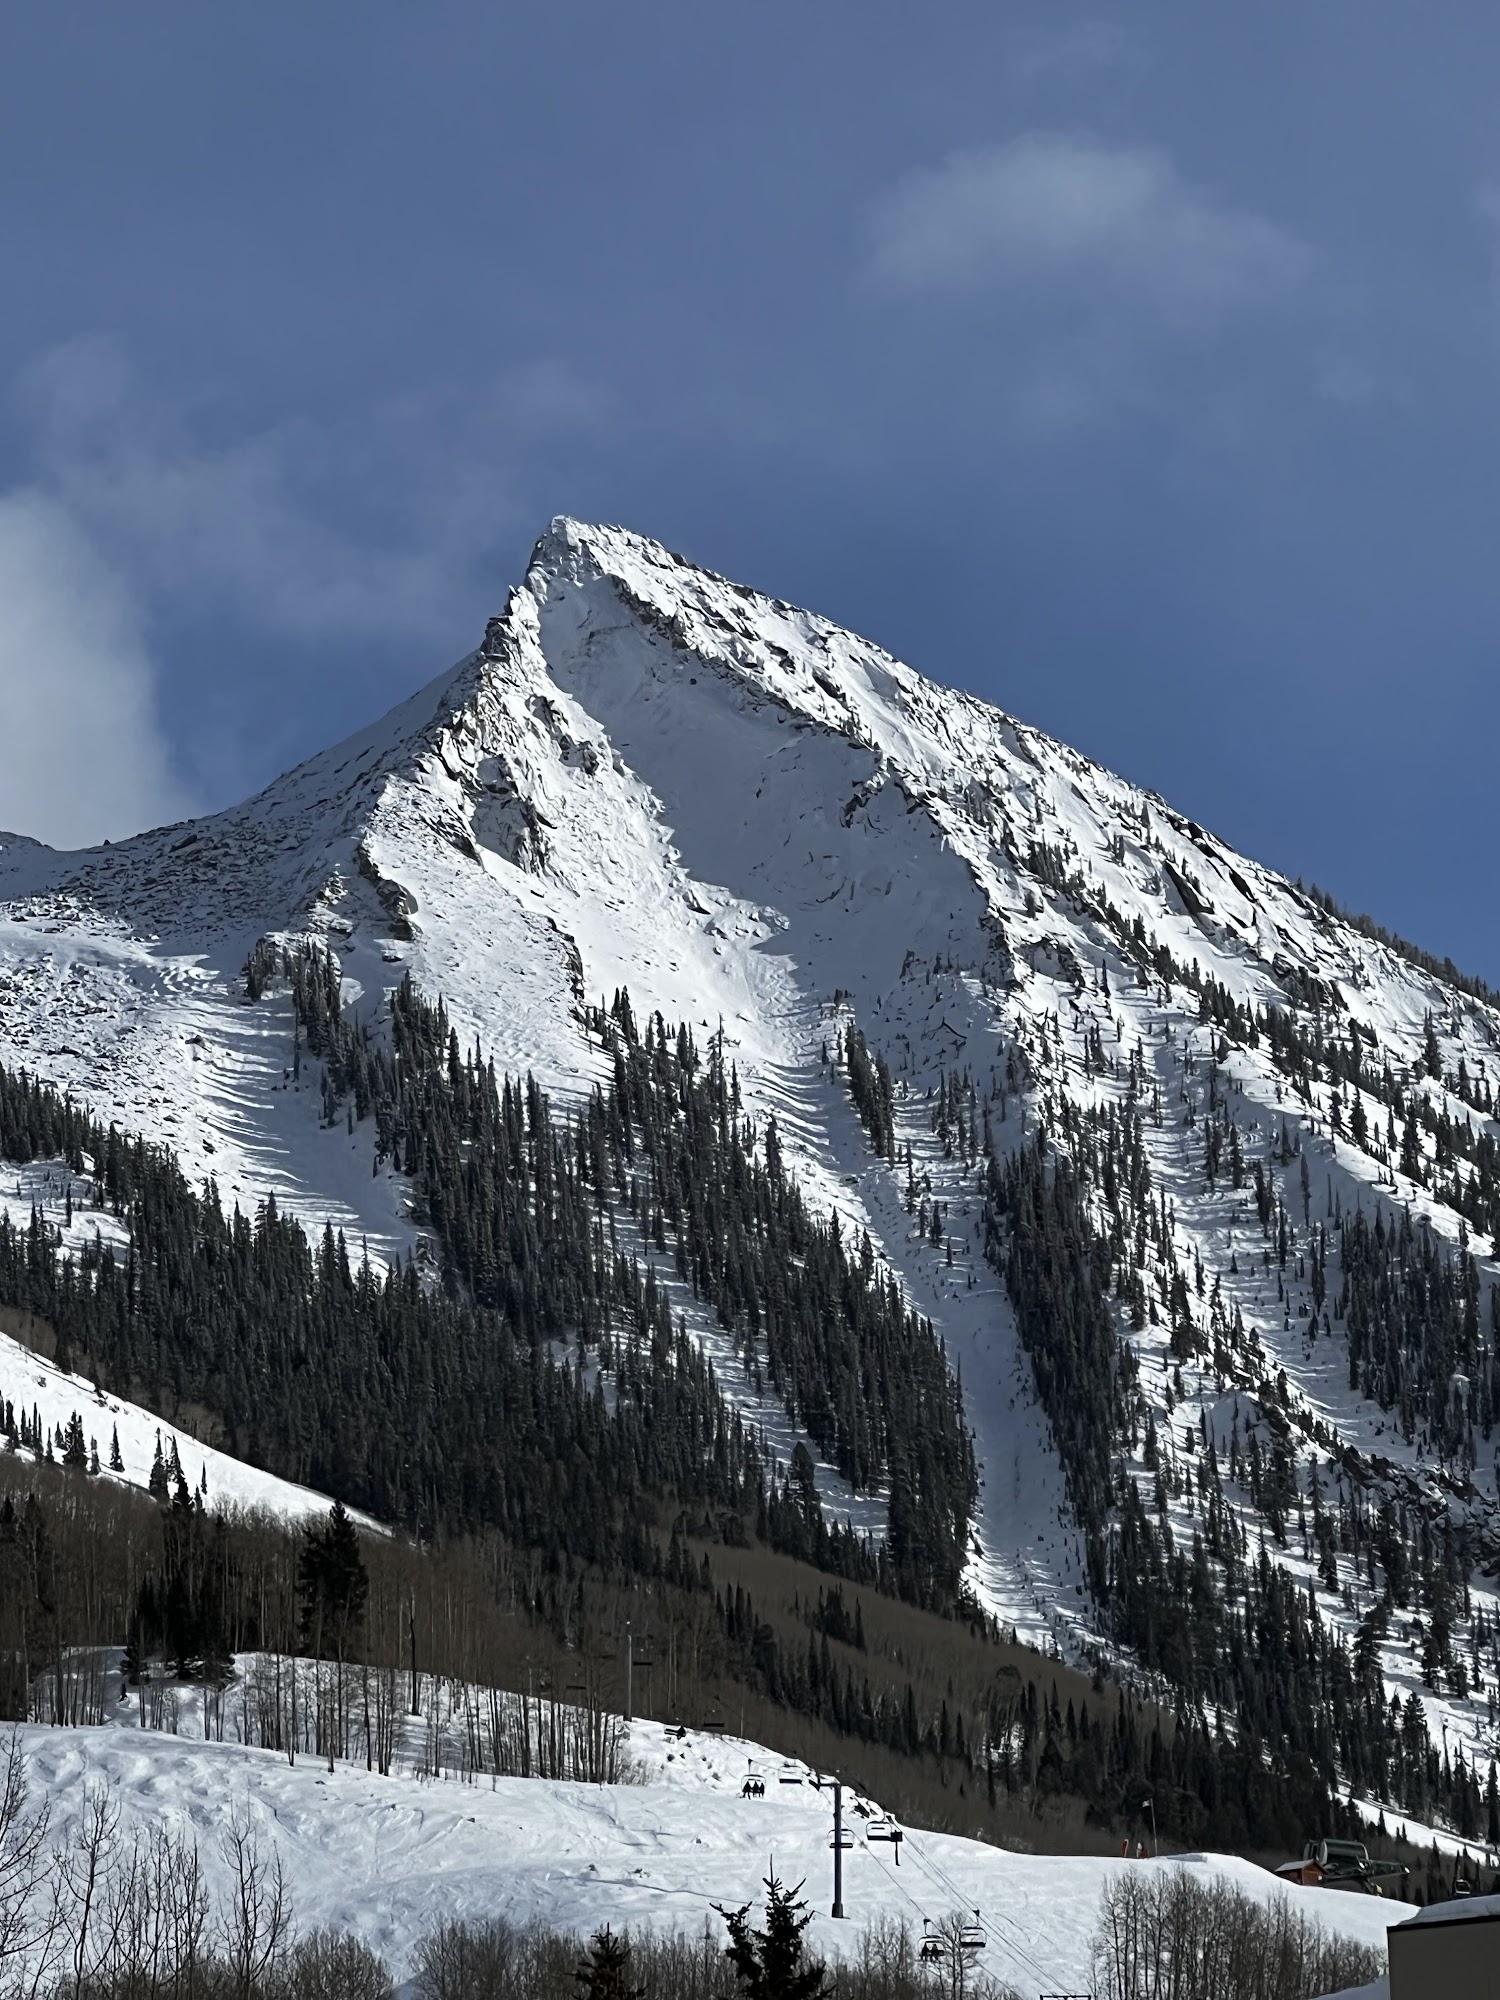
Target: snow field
{"x": 389, "y": 1858}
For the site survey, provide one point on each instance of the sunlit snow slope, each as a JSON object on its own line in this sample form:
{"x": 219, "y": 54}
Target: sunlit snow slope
{"x": 650, "y": 777}
{"x": 393, "y": 1857}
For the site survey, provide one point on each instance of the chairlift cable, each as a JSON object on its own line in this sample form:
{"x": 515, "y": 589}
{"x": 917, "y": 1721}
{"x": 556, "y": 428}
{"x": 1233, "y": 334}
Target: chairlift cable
{"x": 1014, "y": 1945}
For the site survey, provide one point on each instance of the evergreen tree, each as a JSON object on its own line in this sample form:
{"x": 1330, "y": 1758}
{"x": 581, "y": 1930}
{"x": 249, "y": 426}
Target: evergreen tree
{"x": 333, "y": 1584}
{"x": 75, "y": 1449}
{"x": 770, "y": 1964}
{"x": 604, "y": 1973}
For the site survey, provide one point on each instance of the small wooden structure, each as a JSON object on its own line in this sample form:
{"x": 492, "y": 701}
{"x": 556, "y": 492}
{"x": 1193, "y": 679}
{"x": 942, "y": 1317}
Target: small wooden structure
{"x": 1306, "y": 1873}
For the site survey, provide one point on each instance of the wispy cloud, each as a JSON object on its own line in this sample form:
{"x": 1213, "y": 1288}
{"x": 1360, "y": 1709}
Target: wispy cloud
{"x": 1049, "y": 213}
{"x": 1084, "y": 45}
{"x": 236, "y": 524}
{"x": 138, "y": 509}
{"x": 299, "y": 529}
{"x": 549, "y": 395}
{"x": 82, "y": 752}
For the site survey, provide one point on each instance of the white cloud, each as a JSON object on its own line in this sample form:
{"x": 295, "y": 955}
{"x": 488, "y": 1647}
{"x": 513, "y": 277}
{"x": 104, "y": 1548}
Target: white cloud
{"x": 82, "y": 756}
{"x": 1049, "y": 213}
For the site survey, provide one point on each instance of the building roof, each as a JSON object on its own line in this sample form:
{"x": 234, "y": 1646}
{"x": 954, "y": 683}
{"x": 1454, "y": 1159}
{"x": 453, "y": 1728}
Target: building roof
{"x": 1462, "y": 1910}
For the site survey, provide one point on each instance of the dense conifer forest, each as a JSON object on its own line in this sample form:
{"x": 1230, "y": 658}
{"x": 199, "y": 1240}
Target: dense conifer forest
{"x": 481, "y": 1401}
{"x": 1224, "y": 1626}
{"x": 662, "y": 1159}
{"x": 536, "y": 1385}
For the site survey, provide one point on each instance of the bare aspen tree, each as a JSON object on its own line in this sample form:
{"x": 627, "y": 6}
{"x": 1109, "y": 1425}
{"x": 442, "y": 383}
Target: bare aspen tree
{"x": 30, "y": 1918}
{"x": 256, "y": 1916}
{"x": 1166, "y": 1935}
{"x": 84, "y": 1868}
{"x": 330, "y": 1964}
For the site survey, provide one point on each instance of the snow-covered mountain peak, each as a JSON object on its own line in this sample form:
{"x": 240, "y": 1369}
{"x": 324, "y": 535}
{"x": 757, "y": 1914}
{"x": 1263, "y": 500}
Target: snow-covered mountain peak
{"x": 647, "y": 776}
{"x": 586, "y": 577}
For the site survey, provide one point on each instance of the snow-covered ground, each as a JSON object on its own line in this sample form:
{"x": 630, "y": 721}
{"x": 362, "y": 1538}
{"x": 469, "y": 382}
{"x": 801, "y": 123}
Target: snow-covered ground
{"x": 650, "y": 777}
{"x": 390, "y": 1857}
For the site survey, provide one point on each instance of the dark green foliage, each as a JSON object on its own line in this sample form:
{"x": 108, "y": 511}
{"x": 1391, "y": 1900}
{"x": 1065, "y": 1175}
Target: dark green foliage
{"x": 865, "y": 1376}
{"x": 1412, "y": 1315}
{"x": 770, "y": 1964}
{"x": 521, "y": 1204}
{"x": 1457, "y": 1158}
{"x": 409, "y": 1403}
{"x": 180, "y": 1612}
{"x": 1225, "y": 1625}
{"x": 604, "y": 1971}
{"x": 333, "y": 1585}
{"x": 870, "y": 1087}
{"x": 457, "y": 1407}
{"x": 28, "y": 1595}
{"x": 1057, "y": 1273}
{"x": 75, "y": 1450}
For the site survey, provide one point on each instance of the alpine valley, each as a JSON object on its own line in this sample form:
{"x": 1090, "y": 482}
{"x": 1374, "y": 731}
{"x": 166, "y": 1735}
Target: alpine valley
{"x": 687, "y": 1121}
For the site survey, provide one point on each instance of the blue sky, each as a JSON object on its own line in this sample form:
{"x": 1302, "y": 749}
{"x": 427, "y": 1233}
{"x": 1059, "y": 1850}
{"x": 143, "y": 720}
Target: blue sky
{"x": 1138, "y": 369}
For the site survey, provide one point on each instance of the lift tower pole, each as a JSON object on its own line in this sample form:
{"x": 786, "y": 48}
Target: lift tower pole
{"x": 838, "y": 1848}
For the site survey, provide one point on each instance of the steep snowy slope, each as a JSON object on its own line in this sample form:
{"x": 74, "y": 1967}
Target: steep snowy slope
{"x": 52, "y": 1397}
{"x": 650, "y": 777}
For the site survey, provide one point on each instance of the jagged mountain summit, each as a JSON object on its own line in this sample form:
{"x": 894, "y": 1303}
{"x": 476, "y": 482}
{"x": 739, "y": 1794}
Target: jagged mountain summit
{"x": 1263, "y": 1303}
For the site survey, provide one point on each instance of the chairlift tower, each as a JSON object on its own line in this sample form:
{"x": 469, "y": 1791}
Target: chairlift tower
{"x": 838, "y": 1848}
